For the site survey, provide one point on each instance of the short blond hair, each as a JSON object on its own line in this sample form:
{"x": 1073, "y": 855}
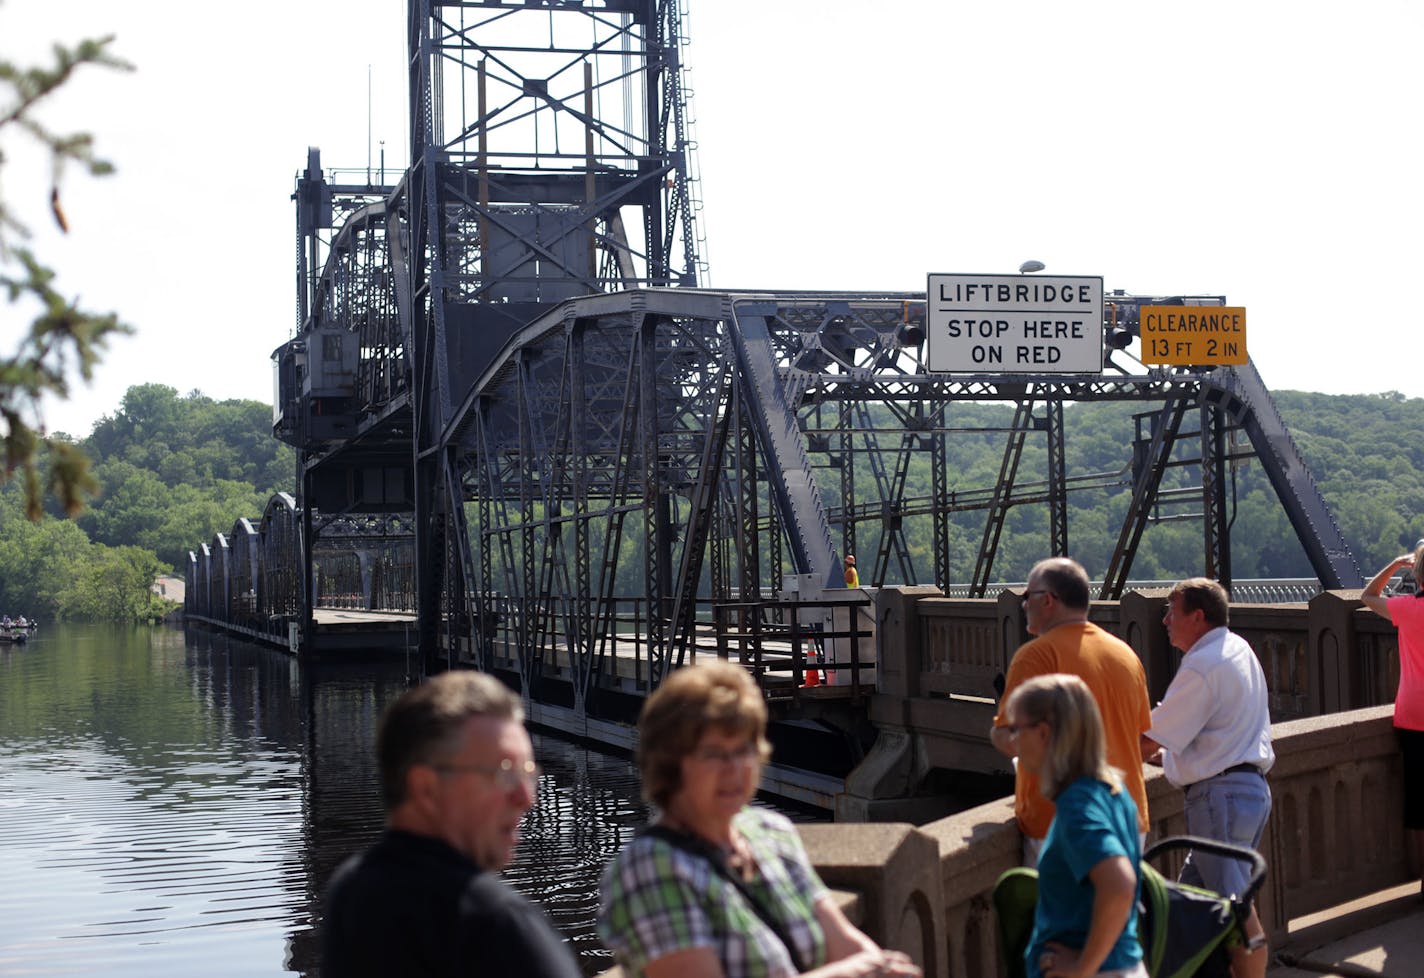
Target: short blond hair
{"x": 1078, "y": 748}
{"x": 715, "y": 695}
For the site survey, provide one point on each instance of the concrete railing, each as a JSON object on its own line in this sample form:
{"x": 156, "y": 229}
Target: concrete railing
{"x": 1335, "y": 834}
{"x": 1321, "y": 657}
{"x": 938, "y": 658}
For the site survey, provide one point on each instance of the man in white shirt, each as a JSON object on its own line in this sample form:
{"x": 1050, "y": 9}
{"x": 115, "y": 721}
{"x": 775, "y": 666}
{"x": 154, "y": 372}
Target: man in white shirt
{"x": 1213, "y": 733}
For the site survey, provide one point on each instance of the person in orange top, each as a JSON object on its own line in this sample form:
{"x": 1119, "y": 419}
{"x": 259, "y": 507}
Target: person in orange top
{"x": 1056, "y": 610}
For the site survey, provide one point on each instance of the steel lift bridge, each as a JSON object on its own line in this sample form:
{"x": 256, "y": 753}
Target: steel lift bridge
{"x": 508, "y": 372}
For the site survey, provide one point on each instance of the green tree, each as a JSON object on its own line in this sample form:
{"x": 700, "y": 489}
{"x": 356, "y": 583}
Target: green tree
{"x": 37, "y": 560}
{"x": 61, "y": 335}
{"x": 193, "y": 439}
{"x": 115, "y": 585}
{"x": 196, "y": 514}
{"x": 133, "y": 507}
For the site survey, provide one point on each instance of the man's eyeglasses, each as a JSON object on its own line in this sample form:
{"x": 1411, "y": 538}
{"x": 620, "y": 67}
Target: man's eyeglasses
{"x": 506, "y": 775}
{"x": 1029, "y": 594}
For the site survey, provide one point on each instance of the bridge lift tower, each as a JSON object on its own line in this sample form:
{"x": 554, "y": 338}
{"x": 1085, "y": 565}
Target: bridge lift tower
{"x": 507, "y": 364}
{"x": 550, "y": 158}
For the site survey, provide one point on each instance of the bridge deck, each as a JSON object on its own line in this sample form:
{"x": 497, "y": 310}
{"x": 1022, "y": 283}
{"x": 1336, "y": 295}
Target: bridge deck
{"x": 628, "y": 653}
{"x": 628, "y": 666}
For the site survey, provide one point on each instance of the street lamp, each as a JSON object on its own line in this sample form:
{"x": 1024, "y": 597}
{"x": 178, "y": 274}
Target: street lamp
{"x": 1030, "y": 266}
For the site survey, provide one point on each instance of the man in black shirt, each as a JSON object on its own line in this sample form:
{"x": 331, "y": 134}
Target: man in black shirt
{"x": 457, "y": 776}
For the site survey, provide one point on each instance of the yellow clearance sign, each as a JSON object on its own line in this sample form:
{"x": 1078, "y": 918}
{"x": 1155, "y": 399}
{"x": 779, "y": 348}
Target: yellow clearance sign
{"x": 1182, "y": 336}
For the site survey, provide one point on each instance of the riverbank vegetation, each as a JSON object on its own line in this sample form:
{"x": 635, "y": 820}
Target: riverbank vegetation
{"x": 171, "y": 471}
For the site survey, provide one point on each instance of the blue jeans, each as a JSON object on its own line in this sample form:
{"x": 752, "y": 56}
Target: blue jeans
{"x": 1228, "y": 808}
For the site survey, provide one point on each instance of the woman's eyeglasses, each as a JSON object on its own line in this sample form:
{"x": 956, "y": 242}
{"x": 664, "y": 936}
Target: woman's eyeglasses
{"x": 715, "y": 755}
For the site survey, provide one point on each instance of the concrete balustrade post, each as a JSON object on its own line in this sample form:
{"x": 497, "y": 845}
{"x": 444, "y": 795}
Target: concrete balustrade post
{"x": 899, "y": 639}
{"x": 976, "y": 847}
{"x": 1012, "y": 625}
{"x": 1332, "y": 658}
{"x": 1142, "y": 628}
{"x": 894, "y": 869}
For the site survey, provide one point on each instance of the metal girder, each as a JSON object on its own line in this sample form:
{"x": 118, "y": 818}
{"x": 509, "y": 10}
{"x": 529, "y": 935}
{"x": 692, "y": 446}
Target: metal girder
{"x": 699, "y": 522}
{"x": 499, "y": 328}
{"x": 1002, "y": 493}
{"x": 1154, "y": 455}
{"x": 1242, "y": 394}
{"x": 657, "y": 522}
{"x": 1217, "y": 557}
{"x": 939, "y": 491}
{"x": 1057, "y": 481}
{"x": 783, "y": 450}
{"x": 845, "y": 445}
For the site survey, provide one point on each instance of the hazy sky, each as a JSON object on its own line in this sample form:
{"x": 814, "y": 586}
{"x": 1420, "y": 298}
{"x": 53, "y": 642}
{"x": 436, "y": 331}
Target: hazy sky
{"x": 1267, "y": 151}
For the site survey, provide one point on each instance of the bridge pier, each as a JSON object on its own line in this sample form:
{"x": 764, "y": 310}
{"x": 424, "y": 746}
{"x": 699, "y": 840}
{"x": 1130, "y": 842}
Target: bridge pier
{"x": 916, "y": 734}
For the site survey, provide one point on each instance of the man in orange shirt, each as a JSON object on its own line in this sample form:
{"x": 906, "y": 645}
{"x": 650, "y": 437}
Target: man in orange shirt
{"x": 1056, "y": 609}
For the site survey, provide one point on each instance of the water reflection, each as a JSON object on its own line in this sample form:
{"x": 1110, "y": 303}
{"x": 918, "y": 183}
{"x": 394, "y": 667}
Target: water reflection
{"x": 175, "y": 804}
{"x": 150, "y": 801}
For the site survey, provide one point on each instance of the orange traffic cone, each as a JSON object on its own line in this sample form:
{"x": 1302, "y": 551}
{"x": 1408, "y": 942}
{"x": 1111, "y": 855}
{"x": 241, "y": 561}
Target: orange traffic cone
{"x": 812, "y": 672}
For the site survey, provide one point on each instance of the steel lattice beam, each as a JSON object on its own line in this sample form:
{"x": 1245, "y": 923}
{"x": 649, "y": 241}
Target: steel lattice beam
{"x": 524, "y": 377}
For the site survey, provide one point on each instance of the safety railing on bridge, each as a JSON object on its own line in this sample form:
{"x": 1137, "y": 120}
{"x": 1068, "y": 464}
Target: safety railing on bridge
{"x": 1280, "y": 590}
{"x": 795, "y": 645}
{"x": 1318, "y": 656}
{"x": 790, "y": 646}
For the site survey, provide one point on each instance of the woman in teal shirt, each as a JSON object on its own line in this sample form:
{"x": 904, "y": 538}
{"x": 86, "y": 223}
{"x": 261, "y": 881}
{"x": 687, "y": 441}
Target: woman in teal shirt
{"x": 1086, "y": 920}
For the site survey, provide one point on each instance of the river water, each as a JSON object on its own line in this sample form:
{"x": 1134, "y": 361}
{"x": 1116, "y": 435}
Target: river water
{"x": 173, "y": 803}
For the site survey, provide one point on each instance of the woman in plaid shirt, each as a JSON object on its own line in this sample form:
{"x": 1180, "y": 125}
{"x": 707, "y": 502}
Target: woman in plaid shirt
{"x": 716, "y": 888}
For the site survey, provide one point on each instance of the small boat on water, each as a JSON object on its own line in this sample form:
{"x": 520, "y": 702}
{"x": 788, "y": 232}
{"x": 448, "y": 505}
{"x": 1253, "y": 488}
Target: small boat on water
{"x": 16, "y": 631}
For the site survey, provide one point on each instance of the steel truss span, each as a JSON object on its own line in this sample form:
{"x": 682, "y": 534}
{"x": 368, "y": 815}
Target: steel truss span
{"x": 511, "y": 395}
{"x": 249, "y": 578}
{"x": 643, "y": 463}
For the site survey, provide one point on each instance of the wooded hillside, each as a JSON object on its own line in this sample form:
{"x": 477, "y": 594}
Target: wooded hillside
{"x": 172, "y": 471}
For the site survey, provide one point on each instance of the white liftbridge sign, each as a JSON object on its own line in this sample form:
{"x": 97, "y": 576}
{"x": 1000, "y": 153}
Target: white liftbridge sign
{"x": 1029, "y": 324}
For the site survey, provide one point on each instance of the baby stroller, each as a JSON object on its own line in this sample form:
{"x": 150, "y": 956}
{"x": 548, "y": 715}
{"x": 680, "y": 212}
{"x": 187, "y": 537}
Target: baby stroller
{"x": 1185, "y": 931}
